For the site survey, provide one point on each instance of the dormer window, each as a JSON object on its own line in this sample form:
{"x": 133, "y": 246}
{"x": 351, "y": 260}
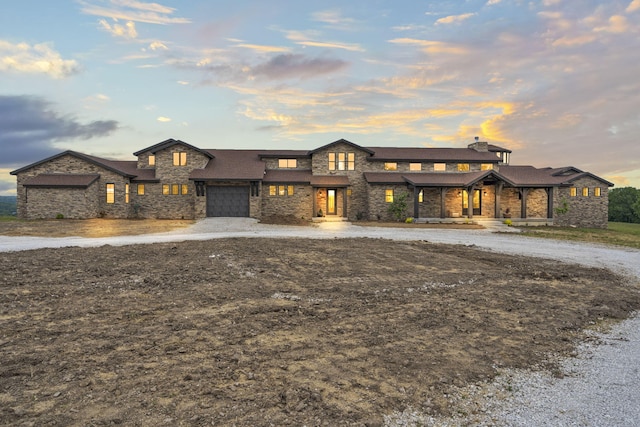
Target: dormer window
{"x": 152, "y": 159}
{"x": 180, "y": 158}
{"x": 287, "y": 163}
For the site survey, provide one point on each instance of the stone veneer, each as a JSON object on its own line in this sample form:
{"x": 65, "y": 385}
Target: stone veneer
{"x": 589, "y": 211}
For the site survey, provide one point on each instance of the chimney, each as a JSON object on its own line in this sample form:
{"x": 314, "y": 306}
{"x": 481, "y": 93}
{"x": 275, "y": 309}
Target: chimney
{"x": 480, "y": 146}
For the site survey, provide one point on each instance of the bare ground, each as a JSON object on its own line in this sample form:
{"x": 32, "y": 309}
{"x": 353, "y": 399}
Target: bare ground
{"x": 253, "y": 332}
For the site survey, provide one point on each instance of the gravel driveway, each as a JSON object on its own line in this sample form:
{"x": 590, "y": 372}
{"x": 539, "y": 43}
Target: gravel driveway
{"x": 600, "y": 387}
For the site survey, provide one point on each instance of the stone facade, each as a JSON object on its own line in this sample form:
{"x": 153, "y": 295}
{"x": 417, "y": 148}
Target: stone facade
{"x": 175, "y": 185}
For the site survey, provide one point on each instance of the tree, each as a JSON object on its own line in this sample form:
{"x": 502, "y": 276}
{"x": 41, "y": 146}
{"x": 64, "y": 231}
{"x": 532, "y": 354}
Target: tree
{"x": 624, "y": 205}
{"x": 398, "y": 207}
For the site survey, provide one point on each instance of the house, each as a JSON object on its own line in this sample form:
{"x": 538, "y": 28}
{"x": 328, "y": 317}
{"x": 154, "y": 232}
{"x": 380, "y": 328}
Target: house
{"x": 174, "y": 179}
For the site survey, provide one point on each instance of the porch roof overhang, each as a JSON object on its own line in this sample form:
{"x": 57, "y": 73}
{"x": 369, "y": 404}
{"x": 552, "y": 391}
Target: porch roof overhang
{"x": 62, "y": 180}
{"x": 330, "y": 181}
{"x": 287, "y": 176}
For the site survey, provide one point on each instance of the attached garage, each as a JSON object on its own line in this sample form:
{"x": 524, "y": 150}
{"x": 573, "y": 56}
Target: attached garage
{"x": 228, "y": 201}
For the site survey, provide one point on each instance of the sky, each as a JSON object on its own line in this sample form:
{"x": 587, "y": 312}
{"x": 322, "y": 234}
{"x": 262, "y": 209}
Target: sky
{"x": 556, "y": 81}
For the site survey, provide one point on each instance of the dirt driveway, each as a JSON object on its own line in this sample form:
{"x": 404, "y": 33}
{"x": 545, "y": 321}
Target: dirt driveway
{"x": 252, "y": 332}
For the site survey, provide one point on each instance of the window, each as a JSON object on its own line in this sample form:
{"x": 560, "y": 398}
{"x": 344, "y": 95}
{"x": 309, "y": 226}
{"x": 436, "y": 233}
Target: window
{"x": 597, "y": 192}
{"x": 585, "y": 191}
{"x": 390, "y": 166}
{"x": 175, "y": 189}
{"x": 180, "y": 158}
{"x": 290, "y": 190}
{"x": 184, "y": 189}
{"x": 573, "y": 191}
{"x": 126, "y": 193}
{"x": 486, "y": 166}
{"x": 272, "y": 190}
{"x": 342, "y": 161}
{"x": 140, "y": 189}
{"x": 388, "y": 196}
{"x": 111, "y": 193}
{"x": 287, "y": 163}
{"x": 165, "y": 189}
{"x": 152, "y": 159}
{"x": 463, "y": 167}
{"x": 415, "y": 166}
{"x": 332, "y": 161}
{"x": 281, "y": 190}
{"x": 439, "y": 167}
{"x": 421, "y": 196}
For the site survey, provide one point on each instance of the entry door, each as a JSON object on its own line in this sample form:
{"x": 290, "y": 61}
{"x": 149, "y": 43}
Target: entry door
{"x": 331, "y": 201}
{"x": 477, "y": 202}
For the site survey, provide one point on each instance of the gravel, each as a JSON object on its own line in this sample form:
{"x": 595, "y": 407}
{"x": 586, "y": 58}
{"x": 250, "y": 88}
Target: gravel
{"x": 599, "y": 387}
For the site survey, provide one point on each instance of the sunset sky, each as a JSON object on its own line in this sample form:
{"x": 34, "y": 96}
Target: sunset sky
{"x": 556, "y": 81}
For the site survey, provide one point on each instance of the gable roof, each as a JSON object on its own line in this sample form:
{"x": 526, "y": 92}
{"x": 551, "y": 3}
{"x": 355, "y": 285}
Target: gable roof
{"x": 124, "y": 168}
{"x": 61, "y": 180}
{"x": 243, "y": 165}
{"x": 342, "y": 141}
{"x": 169, "y": 143}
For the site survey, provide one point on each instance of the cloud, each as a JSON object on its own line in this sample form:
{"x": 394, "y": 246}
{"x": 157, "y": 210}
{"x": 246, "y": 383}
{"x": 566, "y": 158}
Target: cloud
{"x": 131, "y": 10}
{"x": 310, "y": 38}
{"x": 492, "y": 2}
{"x": 454, "y": 19}
{"x": 633, "y": 6}
{"x": 127, "y": 31}
{"x": 432, "y": 47}
{"x": 616, "y": 24}
{"x": 297, "y": 66}
{"x": 156, "y": 45}
{"x": 30, "y": 127}
{"x": 163, "y": 119}
{"x": 36, "y": 59}
{"x": 334, "y": 19}
{"x": 262, "y": 48}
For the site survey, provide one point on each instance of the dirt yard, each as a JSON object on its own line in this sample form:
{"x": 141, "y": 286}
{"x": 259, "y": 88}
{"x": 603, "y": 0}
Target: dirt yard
{"x": 258, "y": 332}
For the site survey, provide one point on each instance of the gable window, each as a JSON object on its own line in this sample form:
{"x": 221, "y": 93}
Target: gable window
{"x": 111, "y": 193}
{"x": 573, "y": 191}
{"x": 390, "y": 166}
{"x": 597, "y": 192}
{"x": 463, "y": 167}
{"x": 439, "y": 167}
{"x": 180, "y": 158}
{"x": 152, "y": 159}
{"x": 585, "y": 191}
{"x": 486, "y": 166}
{"x": 415, "y": 166}
{"x": 126, "y": 193}
{"x": 388, "y": 195}
{"x": 287, "y": 163}
{"x": 342, "y": 161}
{"x": 140, "y": 189}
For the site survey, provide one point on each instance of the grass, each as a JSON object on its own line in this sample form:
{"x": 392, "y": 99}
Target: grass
{"x": 8, "y": 218}
{"x": 617, "y": 233}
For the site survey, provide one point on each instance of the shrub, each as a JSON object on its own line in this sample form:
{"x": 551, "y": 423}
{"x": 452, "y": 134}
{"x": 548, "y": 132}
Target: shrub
{"x": 409, "y": 220}
{"x": 508, "y": 222}
{"x": 398, "y": 207}
{"x": 59, "y": 216}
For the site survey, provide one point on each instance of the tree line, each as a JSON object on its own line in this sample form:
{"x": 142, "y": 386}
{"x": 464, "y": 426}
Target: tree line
{"x": 624, "y": 205}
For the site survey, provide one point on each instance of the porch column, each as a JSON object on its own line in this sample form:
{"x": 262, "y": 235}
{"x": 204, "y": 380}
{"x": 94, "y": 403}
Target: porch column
{"x": 344, "y": 202}
{"x": 416, "y": 202}
{"x": 498, "y": 192}
{"x": 523, "y": 202}
{"x": 315, "y": 202}
{"x": 443, "y": 196}
{"x": 549, "y": 202}
{"x": 470, "y": 202}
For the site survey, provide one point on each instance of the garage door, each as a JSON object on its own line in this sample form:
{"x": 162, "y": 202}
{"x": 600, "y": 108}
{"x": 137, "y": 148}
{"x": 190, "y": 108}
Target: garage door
{"x": 227, "y": 201}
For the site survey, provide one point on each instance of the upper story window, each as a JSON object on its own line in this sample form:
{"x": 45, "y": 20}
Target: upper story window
{"x": 140, "y": 189}
{"x": 180, "y": 158}
{"x": 111, "y": 193}
{"x": 390, "y": 166}
{"x": 415, "y": 166}
{"x": 585, "y": 191}
{"x": 287, "y": 163}
{"x": 152, "y": 159}
{"x": 597, "y": 192}
{"x": 342, "y": 161}
{"x": 463, "y": 167}
{"x": 486, "y": 166}
{"x": 573, "y": 191}
{"x": 439, "y": 167}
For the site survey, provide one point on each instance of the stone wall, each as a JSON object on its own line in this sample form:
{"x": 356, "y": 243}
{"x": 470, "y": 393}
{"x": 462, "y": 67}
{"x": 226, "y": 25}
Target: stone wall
{"x": 299, "y": 205}
{"x": 71, "y": 203}
{"x": 582, "y": 211}
{"x": 379, "y": 208}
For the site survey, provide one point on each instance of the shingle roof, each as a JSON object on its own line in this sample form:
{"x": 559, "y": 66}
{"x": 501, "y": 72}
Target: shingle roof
{"x": 293, "y": 176}
{"x": 330, "y": 181}
{"x": 61, "y": 180}
{"x": 168, "y": 143}
{"x": 432, "y": 154}
{"x": 243, "y": 165}
{"x": 434, "y": 179}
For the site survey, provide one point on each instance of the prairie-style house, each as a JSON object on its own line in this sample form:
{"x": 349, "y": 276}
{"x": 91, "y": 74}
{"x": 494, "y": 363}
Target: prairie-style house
{"x": 174, "y": 179}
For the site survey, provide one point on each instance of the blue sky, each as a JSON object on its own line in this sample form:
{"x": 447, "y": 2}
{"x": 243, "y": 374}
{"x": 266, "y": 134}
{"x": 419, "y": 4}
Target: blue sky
{"x": 556, "y": 81}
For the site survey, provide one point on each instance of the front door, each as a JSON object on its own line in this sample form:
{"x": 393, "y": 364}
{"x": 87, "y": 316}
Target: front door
{"x": 477, "y": 202}
{"x": 331, "y": 201}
